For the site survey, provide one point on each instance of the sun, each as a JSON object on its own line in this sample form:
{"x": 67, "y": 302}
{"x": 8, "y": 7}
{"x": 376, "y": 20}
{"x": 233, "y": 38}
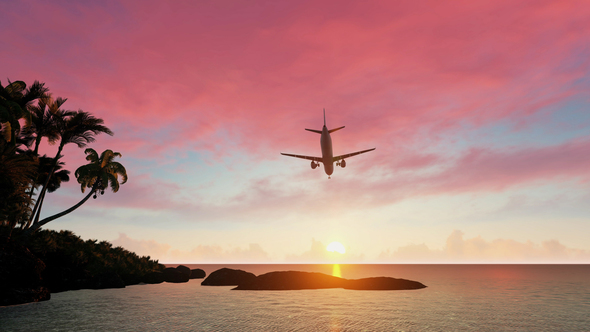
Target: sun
{"x": 336, "y": 247}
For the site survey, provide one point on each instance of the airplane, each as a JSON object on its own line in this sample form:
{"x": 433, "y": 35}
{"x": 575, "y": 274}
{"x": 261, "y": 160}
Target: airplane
{"x": 327, "y": 157}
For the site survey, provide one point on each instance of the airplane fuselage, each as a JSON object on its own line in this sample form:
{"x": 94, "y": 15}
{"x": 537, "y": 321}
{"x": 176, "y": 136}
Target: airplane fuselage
{"x": 327, "y": 157}
{"x": 327, "y": 153}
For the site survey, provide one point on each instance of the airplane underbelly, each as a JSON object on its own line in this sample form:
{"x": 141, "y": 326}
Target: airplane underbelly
{"x": 327, "y": 155}
{"x": 329, "y": 168}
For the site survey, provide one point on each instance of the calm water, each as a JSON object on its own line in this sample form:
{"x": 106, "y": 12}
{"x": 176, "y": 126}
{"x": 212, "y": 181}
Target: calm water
{"x": 458, "y": 298}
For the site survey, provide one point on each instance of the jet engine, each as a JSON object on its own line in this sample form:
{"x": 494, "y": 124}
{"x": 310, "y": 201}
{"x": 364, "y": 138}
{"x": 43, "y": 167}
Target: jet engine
{"x": 343, "y": 163}
{"x": 313, "y": 165}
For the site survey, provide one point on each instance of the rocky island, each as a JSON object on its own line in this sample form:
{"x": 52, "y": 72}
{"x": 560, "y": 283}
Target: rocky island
{"x": 297, "y": 280}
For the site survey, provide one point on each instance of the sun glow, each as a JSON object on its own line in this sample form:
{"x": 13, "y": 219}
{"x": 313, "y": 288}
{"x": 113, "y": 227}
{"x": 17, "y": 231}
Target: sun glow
{"x": 336, "y": 247}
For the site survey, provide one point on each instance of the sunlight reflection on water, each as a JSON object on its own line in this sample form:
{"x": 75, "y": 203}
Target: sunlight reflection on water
{"x": 459, "y": 298}
{"x": 336, "y": 271}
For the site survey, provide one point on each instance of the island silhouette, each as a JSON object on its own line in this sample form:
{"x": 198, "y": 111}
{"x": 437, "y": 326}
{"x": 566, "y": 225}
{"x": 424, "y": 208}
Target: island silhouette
{"x": 298, "y": 280}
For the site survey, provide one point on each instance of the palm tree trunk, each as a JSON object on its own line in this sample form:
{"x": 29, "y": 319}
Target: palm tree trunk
{"x": 32, "y": 192}
{"x": 36, "y": 154}
{"x": 37, "y": 209}
{"x": 37, "y": 142}
{"x": 37, "y": 225}
{"x": 41, "y": 199}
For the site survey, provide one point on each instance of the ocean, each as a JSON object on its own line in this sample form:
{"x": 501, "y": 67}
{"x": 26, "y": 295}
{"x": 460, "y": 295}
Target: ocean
{"x": 458, "y": 298}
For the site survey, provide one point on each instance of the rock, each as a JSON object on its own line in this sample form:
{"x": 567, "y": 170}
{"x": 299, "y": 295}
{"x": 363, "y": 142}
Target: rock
{"x": 172, "y": 274}
{"x": 295, "y": 280}
{"x": 154, "y": 278}
{"x": 20, "y": 276}
{"x": 12, "y": 296}
{"x": 198, "y": 274}
{"x": 59, "y": 279}
{"x": 108, "y": 279}
{"x": 292, "y": 280}
{"x": 185, "y": 270}
{"x": 130, "y": 279}
{"x": 228, "y": 277}
{"x": 383, "y": 283}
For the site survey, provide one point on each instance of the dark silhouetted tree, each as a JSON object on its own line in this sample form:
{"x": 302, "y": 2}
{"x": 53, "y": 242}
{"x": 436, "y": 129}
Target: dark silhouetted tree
{"x": 102, "y": 172}
{"x": 78, "y": 128}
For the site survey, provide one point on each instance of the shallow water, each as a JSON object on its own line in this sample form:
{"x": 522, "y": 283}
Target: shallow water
{"x": 458, "y": 298}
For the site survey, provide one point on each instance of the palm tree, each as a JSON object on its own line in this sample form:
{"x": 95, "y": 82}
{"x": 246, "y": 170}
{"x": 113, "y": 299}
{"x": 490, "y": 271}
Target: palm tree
{"x": 78, "y": 128}
{"x": 59, "y": 175}
{"x": 16, "y": 168}
{"x": 100, "y": 173}
{"x": 14, "y": 99}
{"x": 42, "y": 121}
{"x": 16, "y": 171}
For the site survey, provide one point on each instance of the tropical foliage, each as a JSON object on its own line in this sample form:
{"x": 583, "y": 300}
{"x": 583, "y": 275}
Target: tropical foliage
{"x": 15, "y": 99}
{"x": 28, "y": 115}
{"x": 101, "y": 172}
{"x": 65, "y": 251}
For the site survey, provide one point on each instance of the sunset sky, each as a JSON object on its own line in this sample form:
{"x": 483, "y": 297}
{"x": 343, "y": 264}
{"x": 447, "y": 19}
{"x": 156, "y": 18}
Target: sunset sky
{"x": 479, "y": 112}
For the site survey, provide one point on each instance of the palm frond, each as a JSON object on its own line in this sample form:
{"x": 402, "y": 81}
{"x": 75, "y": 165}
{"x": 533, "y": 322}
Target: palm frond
{"x": 113, "y": 182}
{"x": 91, "y": 155}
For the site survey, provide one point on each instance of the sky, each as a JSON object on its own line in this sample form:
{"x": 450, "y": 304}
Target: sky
{"x": 478, "y": 110}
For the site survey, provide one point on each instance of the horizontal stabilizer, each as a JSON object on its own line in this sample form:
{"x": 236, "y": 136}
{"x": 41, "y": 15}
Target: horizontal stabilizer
{"x": 316, "y": 159}
{"x": 313, "y": 130}
{"x": 333, "y": 130}
{"x": 337, "y": 158}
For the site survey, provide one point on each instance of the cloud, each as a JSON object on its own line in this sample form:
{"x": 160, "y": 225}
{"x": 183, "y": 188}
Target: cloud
{"x": 142, "y": 247}
{"x": 230, "y": 74}
{"x": 486, "y": 169}
{"x": 477, "y": 250}
{"x": 244, "y": 69}
{"x": 220, "y": 80}
{"x": 199, "y": 254}
{"x": 475, "y": 170}
{"x": 456, "y": 250}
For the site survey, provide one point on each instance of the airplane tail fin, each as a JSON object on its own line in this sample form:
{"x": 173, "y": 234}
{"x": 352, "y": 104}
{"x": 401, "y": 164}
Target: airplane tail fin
{"x": 319, "y": 131}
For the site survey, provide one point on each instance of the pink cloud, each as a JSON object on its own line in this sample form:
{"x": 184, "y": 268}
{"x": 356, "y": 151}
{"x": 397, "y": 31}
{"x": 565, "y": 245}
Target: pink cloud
{"x": 408, "y": 176}
{"x": 199, "y": 254}
{"x": 478, "y": 250}
{"x": 388, "y": 68}
{"x": 217, "y": 78}
{"x": 140, "y": 192}
{"x": 476, "y": 170}
{"x": 142, "y": 247}
{"x": 484, "y": 169}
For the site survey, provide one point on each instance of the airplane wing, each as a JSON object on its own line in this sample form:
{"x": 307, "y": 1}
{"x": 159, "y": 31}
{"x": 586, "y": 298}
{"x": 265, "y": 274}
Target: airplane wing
{"x": 316, "y": 159}
{"x": 337, "y": 158}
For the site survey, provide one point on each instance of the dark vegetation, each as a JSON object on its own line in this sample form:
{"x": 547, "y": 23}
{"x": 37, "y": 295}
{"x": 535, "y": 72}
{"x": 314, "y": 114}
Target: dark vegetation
{"x": 48, "y": 261}
{"x": 72, "y": 263}
{"x": 34, "y": 262}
